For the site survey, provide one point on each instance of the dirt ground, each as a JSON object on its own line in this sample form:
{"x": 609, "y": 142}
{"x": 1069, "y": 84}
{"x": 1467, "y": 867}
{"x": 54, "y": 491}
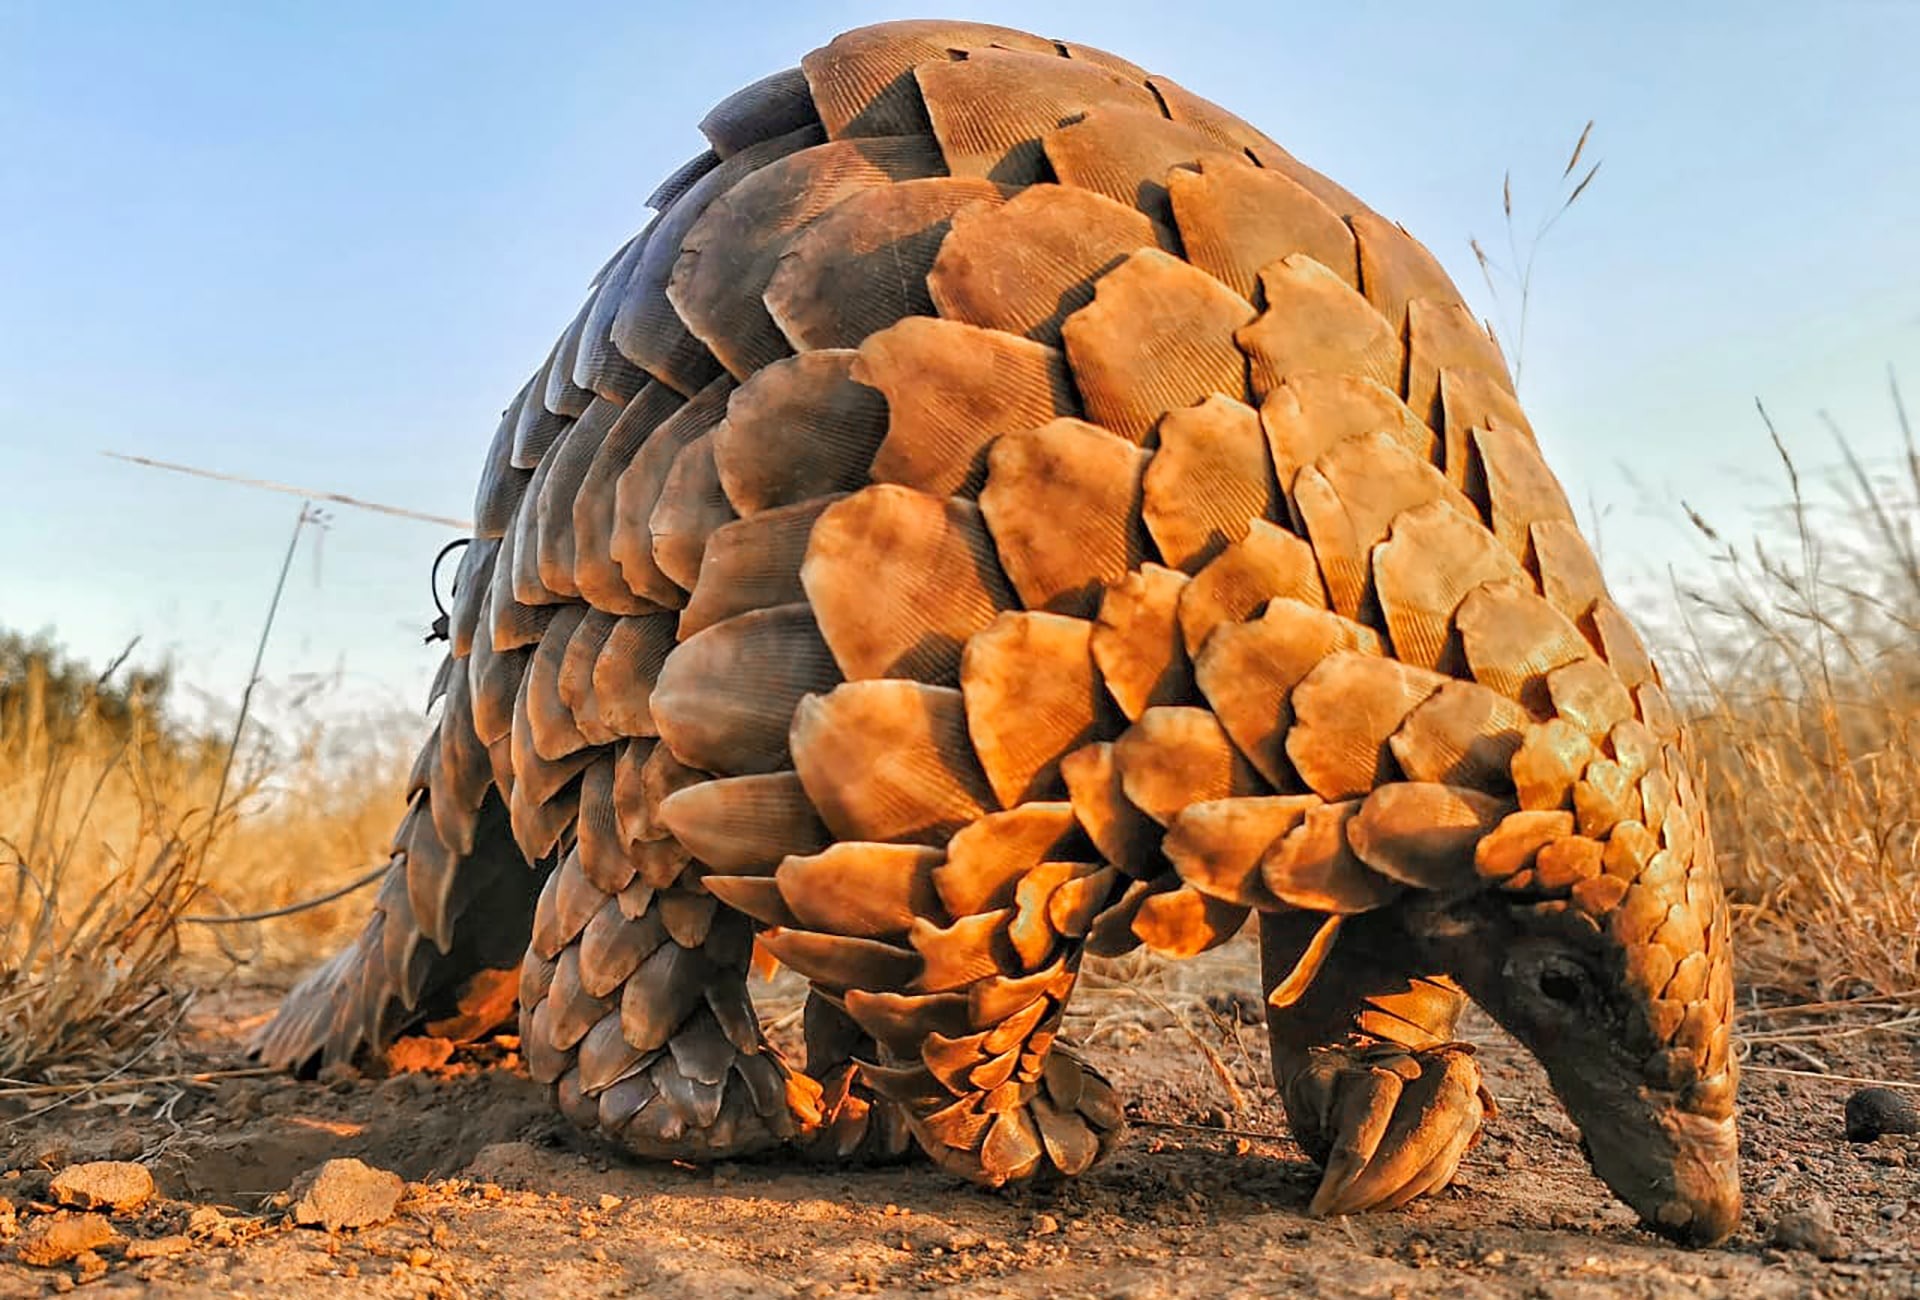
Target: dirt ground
{"x": 1204, "y": 1199}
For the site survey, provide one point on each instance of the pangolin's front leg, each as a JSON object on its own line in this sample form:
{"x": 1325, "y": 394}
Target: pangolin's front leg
{"x": 1377, "y": 1089}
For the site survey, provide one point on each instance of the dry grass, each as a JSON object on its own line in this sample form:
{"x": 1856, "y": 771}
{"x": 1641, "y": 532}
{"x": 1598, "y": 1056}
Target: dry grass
{"x": 1803, "y": 663}
{"x": 106, "y": 833}
{"x": 101, "y": 869}
{"x": 322, "y": 815}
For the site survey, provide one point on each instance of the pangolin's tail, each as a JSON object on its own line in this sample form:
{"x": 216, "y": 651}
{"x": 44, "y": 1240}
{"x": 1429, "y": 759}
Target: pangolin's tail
{"x": 442, "y": 946}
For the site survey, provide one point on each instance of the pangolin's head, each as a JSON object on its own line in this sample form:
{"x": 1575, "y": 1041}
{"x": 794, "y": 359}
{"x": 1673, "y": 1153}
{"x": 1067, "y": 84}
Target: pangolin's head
{"x": 1604, "y": 949}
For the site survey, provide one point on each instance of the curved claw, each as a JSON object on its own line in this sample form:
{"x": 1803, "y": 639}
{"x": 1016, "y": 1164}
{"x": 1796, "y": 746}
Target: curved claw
{"x": 1394, "y": 1123}
{"x": 1054, "y": 1125}
{"x": 851, "y": 1123}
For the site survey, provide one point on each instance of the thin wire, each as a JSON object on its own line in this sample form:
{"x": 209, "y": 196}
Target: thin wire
{"x": 339, "y": 498}
{"x": 259, "y": 654}
{"x": 305, "y": 905}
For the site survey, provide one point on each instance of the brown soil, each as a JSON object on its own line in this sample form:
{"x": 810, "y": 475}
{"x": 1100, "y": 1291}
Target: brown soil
{"x": 1202, "y": 1200}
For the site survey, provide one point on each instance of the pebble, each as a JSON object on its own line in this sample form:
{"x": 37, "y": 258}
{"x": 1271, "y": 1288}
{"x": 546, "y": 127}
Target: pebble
{"x": 112, "y": 1185}
{"x": 207, "y": 1221}
{"x": 346, "y": 1194}
{"x": 56, "y": 1238}
{"x": 160, "y": 1247}
{"x": 1874, "y": 1112}
{"x": 407, "y": 1055}
{"x": 88, "y": 1267}
{"x": 1809, "y": 1228}
{"x": 339, "y": 1077}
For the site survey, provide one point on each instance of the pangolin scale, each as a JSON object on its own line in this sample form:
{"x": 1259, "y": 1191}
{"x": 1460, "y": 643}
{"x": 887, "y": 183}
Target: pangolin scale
{"x": 1002, "y": 508}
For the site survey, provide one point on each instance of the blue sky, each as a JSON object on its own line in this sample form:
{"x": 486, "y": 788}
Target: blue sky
{"x": 325, "y": 243}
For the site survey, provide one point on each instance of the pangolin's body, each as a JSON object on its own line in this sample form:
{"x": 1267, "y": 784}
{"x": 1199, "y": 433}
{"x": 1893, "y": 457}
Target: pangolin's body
{"x": 1005, "y": 508}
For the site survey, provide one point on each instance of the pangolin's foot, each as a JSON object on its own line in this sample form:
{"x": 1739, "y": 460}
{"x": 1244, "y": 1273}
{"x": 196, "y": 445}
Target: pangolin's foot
{"x": 842, "y": 1119}
{"x": 674, "y": 1107}
{"x": 1386, "y": 1123}
{"x": 1054, "y": 1117}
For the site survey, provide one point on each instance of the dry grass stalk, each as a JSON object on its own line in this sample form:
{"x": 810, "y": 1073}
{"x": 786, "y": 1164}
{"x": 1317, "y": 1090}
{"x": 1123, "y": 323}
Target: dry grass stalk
{"x": 1114, "y": 991}
{"x": 100, "y": 875}
{"x": 1804, "y": 672}
{"x": 1513, "y": 275}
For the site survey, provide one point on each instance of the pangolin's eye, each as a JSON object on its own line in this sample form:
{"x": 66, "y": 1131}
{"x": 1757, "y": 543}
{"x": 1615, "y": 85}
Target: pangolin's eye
{"x": 1562, "y": 982}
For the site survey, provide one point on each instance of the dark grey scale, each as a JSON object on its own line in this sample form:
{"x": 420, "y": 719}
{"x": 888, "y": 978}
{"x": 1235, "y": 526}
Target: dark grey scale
{"x": 647, "y": 330}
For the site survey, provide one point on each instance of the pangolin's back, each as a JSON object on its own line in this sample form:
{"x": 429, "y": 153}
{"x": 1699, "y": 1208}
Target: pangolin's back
{"x": 1005, "y": 506}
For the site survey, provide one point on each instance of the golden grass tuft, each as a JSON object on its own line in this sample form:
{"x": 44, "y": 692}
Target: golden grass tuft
{"x": 109, "y": 847}
{"x": 101, "y": 869}
{"x": 1803, "y": 668}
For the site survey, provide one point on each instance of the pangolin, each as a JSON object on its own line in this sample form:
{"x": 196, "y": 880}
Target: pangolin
{"x": 1002, "y": 508}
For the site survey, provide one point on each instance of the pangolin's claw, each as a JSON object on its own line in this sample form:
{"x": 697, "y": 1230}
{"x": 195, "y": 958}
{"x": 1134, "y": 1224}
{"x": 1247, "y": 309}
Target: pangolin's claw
{"x": 847, "y": 1122}
{"x": 1393, "y": 1123}
{"x": 1040, "y": 1129}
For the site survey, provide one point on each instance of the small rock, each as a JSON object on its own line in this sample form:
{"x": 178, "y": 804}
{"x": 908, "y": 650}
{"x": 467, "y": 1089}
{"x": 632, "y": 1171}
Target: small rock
{"x": 1045, "y": 1225}
{"x": 206, "y": 1221}
{"x": 421, "y": 1053}
{"x": 56, "y": 1238}
{"x": 346, "y": 1194}
{"x": 88, "y": 1267}
{"x": 514, "y": 1165}
{"x": 404, "y": 1089}
{"x": 127, "y": 1144}
{"x": 338, "y": 1076}
{"x": 1874, "y": 1112}
{"x": 609, "y": 1202}
{"x": 160, "y": 1247}
{"x": 1809, "y": 1228}
{"x": 111, "y": 1185}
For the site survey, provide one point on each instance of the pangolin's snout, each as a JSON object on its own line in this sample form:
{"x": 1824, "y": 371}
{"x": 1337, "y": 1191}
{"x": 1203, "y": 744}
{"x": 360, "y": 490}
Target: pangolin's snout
{"x": 1686, "y": 1185}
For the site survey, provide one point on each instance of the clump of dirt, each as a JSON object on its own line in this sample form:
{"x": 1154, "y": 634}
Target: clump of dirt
{"x": 346, "y": 1193}
{"x": 58, "y": 1237}
{"x": 1204, "y": 1198}
{"x": 103, "y": 1185}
